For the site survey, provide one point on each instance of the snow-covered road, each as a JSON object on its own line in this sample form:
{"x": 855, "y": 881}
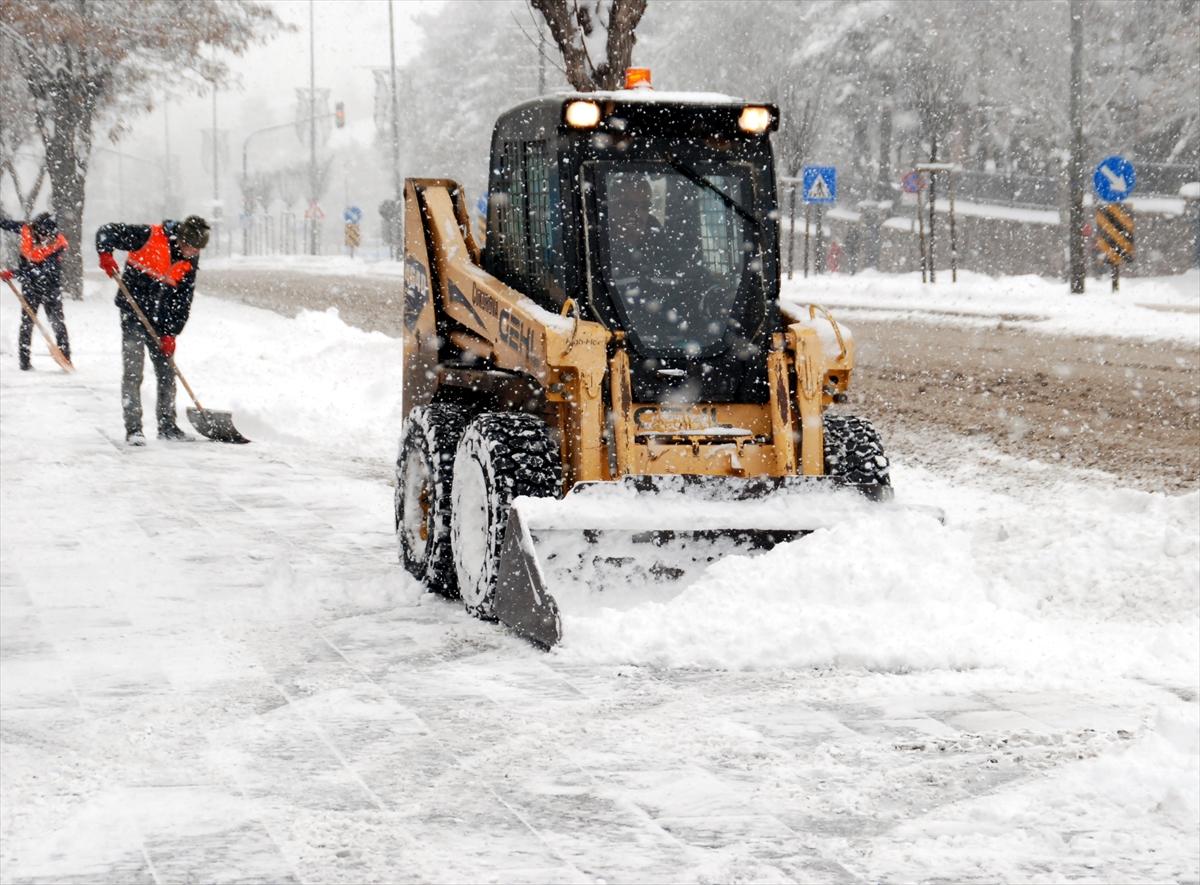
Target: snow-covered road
{"x": 212, "y": 668}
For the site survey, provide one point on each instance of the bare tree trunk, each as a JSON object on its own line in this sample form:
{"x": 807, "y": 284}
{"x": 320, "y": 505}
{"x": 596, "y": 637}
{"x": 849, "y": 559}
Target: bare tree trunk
{"x": 564, "y": 31}
{"x": 68, "y": 150}
{"x": 570, "y": 23}
{"x": 624, "y": 21}
{"x": 66, "y": 196}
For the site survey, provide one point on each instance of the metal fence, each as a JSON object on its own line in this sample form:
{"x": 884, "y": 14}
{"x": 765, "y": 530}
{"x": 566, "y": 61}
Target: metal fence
{"x": 1008, "y": 189}
{"x": 1048, "y": 192}
{"x": 1027, "y": 191}
{"x": 267, "y": 234}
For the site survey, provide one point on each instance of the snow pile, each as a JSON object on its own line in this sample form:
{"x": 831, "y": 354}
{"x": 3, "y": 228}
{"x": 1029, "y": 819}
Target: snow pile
{"x": 852, "y": 595}
{"x": 1042, "y": 591}
{"x": 326, "y": 382}
{"x": 1155, "y": 308}
{"x": 316, "y": 379}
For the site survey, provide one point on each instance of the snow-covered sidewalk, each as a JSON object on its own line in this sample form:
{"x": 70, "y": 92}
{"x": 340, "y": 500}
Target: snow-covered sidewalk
{"x": 212, "y": 668}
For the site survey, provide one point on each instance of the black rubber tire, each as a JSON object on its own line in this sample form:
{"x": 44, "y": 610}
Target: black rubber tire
{"x": 424, "y": 475}
{"x": 854, "y": 452}
{"x": 501, "y": 456}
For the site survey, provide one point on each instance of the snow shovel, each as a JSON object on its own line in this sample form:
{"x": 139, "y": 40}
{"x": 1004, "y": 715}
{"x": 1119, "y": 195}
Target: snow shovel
{"x": 55, "y": 350}
{"x": 209, "y": 423}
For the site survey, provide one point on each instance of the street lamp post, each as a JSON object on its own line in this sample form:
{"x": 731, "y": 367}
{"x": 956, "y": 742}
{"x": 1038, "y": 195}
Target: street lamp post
{"x": 312, "y": 129}
{"x": 395, "y": 104}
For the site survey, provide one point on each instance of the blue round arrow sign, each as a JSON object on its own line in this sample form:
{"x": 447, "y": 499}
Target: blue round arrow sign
{"x": 352, "y": 215}
{"x": 1114, "y": 179}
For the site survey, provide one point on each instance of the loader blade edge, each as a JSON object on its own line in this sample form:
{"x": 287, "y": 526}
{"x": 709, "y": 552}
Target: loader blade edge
{"x": 521, "y": 600}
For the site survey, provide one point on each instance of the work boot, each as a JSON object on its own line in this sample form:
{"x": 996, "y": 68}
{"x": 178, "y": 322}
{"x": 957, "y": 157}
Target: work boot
{"x": 25, "y": 367}
{"x": 172, "y": 433}
{"x": 135, "y": 438}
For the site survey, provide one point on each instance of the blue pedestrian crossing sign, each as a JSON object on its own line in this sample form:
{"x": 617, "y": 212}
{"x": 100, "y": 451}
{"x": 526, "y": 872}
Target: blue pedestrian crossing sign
{"x": 820, "y": 184}
{"x": 1114, "y": 179}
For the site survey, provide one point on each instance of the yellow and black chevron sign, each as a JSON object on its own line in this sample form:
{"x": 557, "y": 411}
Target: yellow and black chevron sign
{"x": 1114, "y": 233}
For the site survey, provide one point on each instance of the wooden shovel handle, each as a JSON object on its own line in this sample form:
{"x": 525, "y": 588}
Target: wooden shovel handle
{"x": 157, "y": 343}
{"x": 55, "y": 350}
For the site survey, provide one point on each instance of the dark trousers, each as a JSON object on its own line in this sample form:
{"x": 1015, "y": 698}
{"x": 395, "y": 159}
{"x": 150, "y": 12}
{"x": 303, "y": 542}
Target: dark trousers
{"x": 53, "y": 309}
{"x": 134, "y": 345}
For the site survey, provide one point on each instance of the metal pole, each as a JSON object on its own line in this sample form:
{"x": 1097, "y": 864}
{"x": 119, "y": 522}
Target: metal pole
{"x": 216, "y": 173}
{"x": 1116, "y": 281}
{"x": 245, "y": 198}
{"x": 932, "y": 207}
{"x": 807, "y": 219}
{"x": 792, "y": 232}
{"x": 1075, "y": 172}
{"x": 396, "y": 183}
{"x": 312, "y": 129}
{"x": 819, "y": 251}
{"x": 953, "y": 238}
{"x": 921, "y": 232}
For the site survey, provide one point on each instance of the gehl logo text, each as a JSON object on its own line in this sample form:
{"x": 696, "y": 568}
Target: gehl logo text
{"x": 515, "y": 333}
{"x": 512, "y": 331}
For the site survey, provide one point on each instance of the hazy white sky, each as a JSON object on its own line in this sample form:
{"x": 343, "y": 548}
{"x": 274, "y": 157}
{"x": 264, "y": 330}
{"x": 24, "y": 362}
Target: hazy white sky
{"x": 351, "y": 37}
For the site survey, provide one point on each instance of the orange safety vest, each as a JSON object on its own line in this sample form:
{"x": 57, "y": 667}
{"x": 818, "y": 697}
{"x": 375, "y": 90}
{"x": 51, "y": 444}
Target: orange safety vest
{"x": 154, "y": 259}
{"x": 38, "y": 254}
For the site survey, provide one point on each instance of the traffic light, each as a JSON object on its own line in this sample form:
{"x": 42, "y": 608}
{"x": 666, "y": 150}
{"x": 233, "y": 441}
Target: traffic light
{"x": 339, "y": 114}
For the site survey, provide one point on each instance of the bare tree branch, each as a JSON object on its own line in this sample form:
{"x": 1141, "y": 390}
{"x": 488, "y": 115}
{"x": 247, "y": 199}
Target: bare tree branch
{"x": 565, "y": 31}
{"x": 536, "y": 43}
{"x": 571, "y": 24}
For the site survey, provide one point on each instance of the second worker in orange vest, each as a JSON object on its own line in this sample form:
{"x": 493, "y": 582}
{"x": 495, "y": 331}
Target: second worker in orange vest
{"x": 160, "y": 274}
{"x": 40, "y": 274}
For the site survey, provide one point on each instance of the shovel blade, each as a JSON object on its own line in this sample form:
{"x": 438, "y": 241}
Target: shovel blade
{"x": 61, "y": 358}
{"x": 215, "y": 425}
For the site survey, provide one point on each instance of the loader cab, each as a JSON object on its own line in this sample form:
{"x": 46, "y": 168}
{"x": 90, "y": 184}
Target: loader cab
{"x": 655, "y": 214}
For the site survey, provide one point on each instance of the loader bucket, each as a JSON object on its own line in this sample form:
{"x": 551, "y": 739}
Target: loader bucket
{"x": 647, "y": 538}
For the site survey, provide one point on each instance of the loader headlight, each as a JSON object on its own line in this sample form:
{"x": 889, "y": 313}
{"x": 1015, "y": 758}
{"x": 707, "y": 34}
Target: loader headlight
{"x": 582, "y": 114}
{"x": 754, "y": 119}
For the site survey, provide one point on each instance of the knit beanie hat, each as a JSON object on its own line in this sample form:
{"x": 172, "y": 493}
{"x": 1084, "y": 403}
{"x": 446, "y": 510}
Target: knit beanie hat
{"x": 193, "y": 230}
{"x": 44, "y": 224}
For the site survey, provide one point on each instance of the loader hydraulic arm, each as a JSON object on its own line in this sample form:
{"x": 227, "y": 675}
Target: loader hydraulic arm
{"x": 489, "y": 319}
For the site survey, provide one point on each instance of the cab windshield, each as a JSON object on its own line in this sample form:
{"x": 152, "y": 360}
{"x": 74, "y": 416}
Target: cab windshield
{"x": 677, "y": 255}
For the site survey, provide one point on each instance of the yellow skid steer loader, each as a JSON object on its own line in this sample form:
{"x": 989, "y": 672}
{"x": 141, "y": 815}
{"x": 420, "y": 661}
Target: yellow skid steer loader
{"x": 606, "y": 394}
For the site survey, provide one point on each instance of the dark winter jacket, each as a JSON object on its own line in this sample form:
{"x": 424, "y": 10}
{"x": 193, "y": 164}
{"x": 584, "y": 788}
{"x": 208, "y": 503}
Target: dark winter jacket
{"x": 41, "y": 281}
{"x": 166, "y": 301}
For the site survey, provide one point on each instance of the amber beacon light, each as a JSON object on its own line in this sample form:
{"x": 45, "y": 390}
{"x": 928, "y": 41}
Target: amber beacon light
{"x": 637, "y": 78}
